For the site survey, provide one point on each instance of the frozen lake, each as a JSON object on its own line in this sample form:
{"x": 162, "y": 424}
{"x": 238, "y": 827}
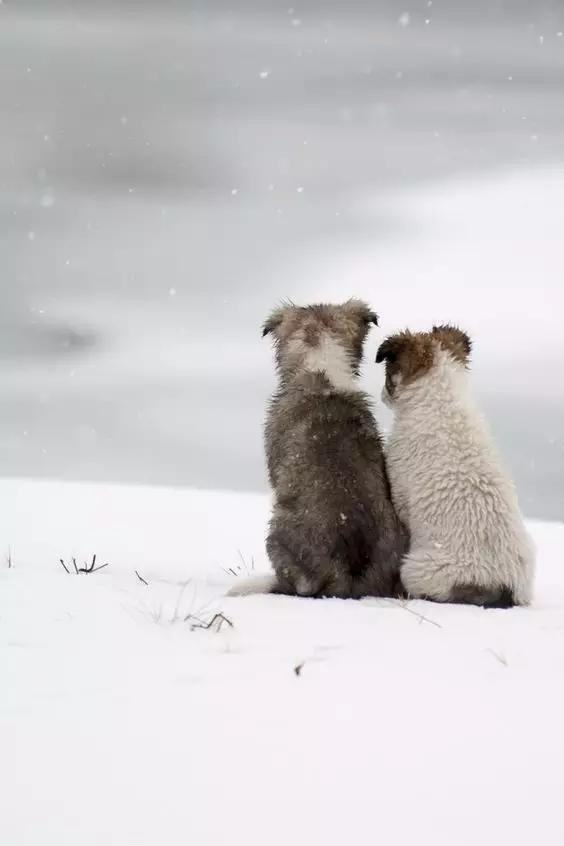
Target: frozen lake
{"x": 169, "y": 170}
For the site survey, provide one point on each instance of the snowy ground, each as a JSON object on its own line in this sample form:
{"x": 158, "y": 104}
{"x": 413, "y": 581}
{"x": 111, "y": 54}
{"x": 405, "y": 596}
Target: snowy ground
{"x": 307, "y": 721}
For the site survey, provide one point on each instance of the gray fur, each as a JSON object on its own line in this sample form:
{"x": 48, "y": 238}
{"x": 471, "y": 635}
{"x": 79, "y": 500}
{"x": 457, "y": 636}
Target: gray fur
{"x": 334, "y": 530}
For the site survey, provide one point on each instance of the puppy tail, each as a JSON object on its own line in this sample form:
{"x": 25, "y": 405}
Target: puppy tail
{"x": 260, "y": 583}
{"x": 499, "y": 596}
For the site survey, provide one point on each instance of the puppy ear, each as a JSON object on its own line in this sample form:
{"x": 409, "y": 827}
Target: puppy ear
{"x": 453, "y": 339}
{"x": 388, "y": 350}
{"x": 361, "y": 311}
{"x": 273, "y": 321}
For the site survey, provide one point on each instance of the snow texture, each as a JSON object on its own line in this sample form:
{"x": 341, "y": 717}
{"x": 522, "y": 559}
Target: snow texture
{"x": 322, "y": 721}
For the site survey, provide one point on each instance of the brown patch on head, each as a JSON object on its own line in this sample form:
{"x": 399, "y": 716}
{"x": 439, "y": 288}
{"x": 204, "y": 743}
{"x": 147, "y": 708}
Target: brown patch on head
{"x": 455, "y": 341}
{"x": 409, "y": 355}
{"x": 294, "y": 327}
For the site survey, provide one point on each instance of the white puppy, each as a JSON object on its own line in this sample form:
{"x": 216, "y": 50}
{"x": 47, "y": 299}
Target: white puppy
{"x": 468, "y": 540}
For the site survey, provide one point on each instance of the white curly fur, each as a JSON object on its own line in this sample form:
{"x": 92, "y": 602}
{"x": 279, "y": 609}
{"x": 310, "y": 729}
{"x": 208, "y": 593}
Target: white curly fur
{"x": 451, "y": 490}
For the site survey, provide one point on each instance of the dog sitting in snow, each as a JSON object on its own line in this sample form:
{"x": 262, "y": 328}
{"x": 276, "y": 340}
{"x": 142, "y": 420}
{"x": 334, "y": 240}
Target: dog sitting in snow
{"x": 468, "y": 539}
{"x": 334, "y": 530}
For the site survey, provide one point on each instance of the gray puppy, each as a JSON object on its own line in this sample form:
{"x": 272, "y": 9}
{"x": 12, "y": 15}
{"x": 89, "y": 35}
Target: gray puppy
{"x": 334, "y": 530}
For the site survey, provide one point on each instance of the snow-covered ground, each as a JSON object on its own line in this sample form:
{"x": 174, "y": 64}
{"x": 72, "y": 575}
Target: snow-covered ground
{"x": 302, "y": 722}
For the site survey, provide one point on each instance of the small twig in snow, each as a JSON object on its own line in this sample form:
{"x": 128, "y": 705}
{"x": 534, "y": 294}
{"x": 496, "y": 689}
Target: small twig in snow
{"x": 421, "y": 617}
{"x": 88, "y": 568}
{"x": 183, "y": 587}
{"x": 92, "y": 568}
{"x": 9, "y": 558}
{"x": 298, "y": 668}
{"x": 217, "y": 620}
{"x": 141, "y": 579}
{"x": 498, "y": 657}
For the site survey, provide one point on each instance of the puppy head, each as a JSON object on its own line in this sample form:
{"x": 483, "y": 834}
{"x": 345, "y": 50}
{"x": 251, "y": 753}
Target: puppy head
{"x": 320, "y": 337}
{"x": 410, "y": 355}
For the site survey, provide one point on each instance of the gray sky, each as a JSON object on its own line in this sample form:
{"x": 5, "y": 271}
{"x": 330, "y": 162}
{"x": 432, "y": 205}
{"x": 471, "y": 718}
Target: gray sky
{"x": 151, "y": 157}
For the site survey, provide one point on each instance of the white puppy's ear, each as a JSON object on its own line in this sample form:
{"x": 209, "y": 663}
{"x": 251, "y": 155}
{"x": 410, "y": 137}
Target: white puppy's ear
{"x": 454, "y": 340}
{"x": 408, "y": 355}
{"x": 388, "y": 350}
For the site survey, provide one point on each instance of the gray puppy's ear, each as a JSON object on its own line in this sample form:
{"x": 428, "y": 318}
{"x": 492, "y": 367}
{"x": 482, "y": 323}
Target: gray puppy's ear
{"x": 370, "y": 316}
{"x": 273, "y": 321}
{"x": 362, "y": 311}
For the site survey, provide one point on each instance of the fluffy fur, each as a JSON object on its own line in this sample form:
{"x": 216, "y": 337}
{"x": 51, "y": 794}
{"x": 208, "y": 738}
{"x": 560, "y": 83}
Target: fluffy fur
{"x": 334, "y": 530}
{"x": 468, "y": 539}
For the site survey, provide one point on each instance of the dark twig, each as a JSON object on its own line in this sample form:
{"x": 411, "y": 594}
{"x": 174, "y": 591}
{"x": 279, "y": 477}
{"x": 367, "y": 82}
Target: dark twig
{"x": 88, "y": 568}
{"x": 298, "y": 668}
{"x": 95, "y": 569}
{"x": 9, "y": 559}
{"x": 218, "y": 619}
{"x": 141, "y": 579}
{"x": 92, "y": 568}
{"x": 230, "y": 571}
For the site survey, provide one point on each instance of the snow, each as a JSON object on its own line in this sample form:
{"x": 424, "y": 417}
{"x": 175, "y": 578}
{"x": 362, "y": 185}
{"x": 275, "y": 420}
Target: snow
{"x": 307, "y": 721}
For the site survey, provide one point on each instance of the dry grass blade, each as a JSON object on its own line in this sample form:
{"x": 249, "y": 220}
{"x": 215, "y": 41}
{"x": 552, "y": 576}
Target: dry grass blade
{"x": 498, "y": 657}
{"x": 230, "y": 571}
{"x": 216, "y": 621}
{"x": 141, "y": 579}
{"x": 421, "y": 617}
{"x": 88, "y": 568}
{"x": 101, "y": 567}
